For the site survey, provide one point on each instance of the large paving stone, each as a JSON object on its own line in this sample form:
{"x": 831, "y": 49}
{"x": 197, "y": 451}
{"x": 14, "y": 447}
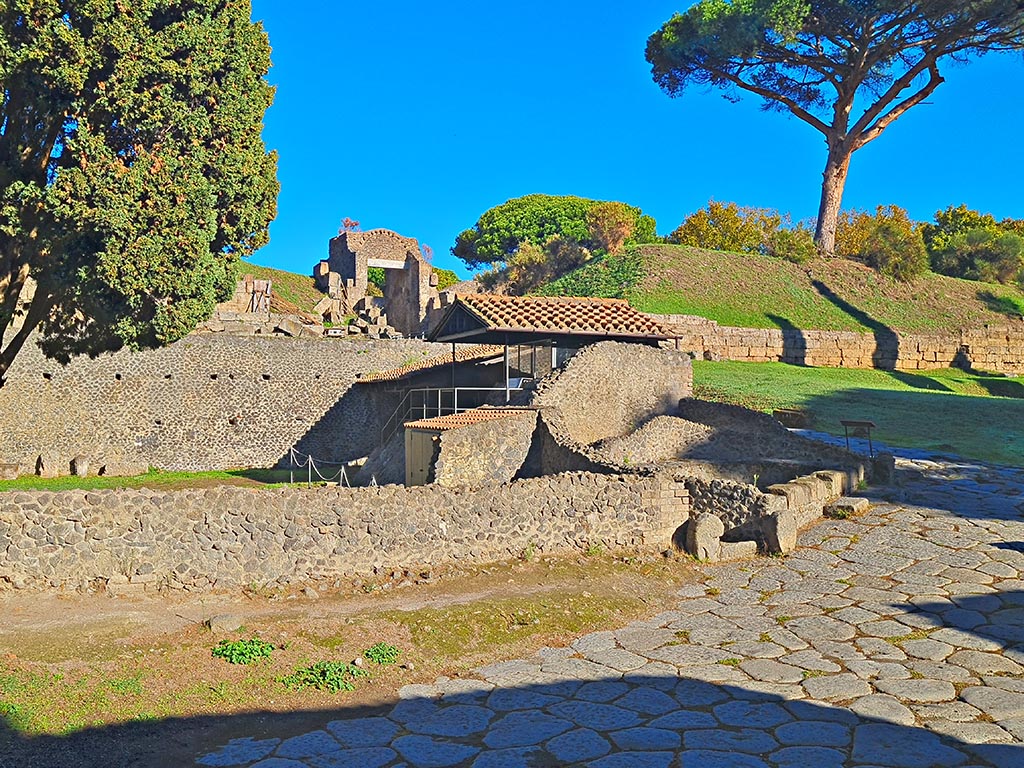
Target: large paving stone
{"x": 523, "y": 729}
{"x": 751, "y": 715}
{"x": 883, "y": 707}
{"x": 813, "y": 733}
{"x": 363, "y": 731}
{"x": 599, "y": 717}
{"x": 707, "y": 758}
{"x": 919, "y": 691}
{"x": 804, "y": 756}
{"x": 239, "y": 752}
{"x": 426, "y": 752}
{"x": 897, "y": 746}
{"x": 836, "y": 687}
{"x": 361, "y": 757}
{"x": 578, "y": 745}
{"x": 748, "y": 740}
{"x": 646, "y": 739}
{"x": 997, "y": 703}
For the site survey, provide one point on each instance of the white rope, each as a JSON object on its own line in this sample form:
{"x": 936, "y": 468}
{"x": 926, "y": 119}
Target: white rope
{"x": 299, "y": 460}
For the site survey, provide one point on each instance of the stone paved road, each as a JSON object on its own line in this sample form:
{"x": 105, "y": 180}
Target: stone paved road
{"x": 890, "y": 640}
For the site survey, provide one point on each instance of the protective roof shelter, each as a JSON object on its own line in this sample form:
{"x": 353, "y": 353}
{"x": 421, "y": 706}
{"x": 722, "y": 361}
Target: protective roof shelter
{"x": 563, "y": 323}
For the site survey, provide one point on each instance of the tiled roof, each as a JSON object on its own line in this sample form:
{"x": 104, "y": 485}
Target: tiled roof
{"x": 466, "y": 418}
{"x": 463, "y": 354}
{"x": 562, "y": 314}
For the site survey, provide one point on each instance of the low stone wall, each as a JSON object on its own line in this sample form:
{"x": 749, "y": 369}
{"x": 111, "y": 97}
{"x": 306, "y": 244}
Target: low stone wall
{"x": 228, "y": 537}
{"x": 741, "y": 513}
{"x": 991, "y": 348}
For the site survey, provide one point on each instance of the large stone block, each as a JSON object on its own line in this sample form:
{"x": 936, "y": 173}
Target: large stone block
{"x": 704, "y": 537}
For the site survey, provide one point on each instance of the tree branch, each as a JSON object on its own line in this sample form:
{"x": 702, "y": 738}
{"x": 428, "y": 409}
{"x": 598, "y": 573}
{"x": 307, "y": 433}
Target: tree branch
{"x": 894, "y": 90}
{"x": 793, "y": 107}
{"x": 875, "y": 130}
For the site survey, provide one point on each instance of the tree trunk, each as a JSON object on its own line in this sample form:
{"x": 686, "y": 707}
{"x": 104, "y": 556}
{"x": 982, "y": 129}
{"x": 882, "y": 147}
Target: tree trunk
{"x": 834, "y": 179}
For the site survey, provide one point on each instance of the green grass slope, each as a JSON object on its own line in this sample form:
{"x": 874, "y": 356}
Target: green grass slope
{"x": 948, "y": 411}
{"x": 299, "y": 290}
{"x": 753, "y": 291}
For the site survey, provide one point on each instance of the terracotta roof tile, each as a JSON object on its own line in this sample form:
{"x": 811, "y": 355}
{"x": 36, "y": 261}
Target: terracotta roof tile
{"x": 562, "y": 314}
{"x": 466, "y": 418}
{"x": 463, "y": 354}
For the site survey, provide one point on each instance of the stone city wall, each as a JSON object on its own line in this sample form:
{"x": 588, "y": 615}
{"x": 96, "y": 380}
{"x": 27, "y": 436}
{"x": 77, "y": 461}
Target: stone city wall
{"x": 205, "y": 402}
{"x": 993, "y": 348}
{"x": 230, "y": 537}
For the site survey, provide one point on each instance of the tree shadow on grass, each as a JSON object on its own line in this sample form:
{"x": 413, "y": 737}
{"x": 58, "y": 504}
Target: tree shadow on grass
{"x": 1004, "y": 305}
{"x": 663, "y": 719}
{"x": 918, "y": 382}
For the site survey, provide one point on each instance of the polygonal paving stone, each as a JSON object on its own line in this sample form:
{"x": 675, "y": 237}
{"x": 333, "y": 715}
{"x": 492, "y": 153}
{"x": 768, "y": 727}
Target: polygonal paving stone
{"x": 813, "y": 661}
{"x": 821, "y": 710}
{"x": 425, "y": 752}
{"x": 655, "y": 674}
{"x": 363, "y": 731}
{"x": 746, "y": 740}
{"x": 705, "y": 758}
{"x": 997, "y": 703}
{"x": 970, "y": 733}
{"x": 523, "y": 729}
{"x": 412, "y": 709}
{"x": 308, "y": 744}
{"x": 895, "y": 746}
{"x": 580, "y": 669}
{"x": 508, "y": 699}
{"x": 602, "y": 690}
{"x": 772, "y": 671}
{"x": 958, "y": 638}
{"x": 645, "y": 739}
{"x": 278, "y": 762}
{"x": 578, "y": 745}
{"x": 595, "y": 641}
{"x": 801, "y": 757}
{"x": 519, "y": 757}
{"x": 884, "y": 628}
{"x": 813, "y": 733}
{"x": 600, "y": 717}
{"x": 982, "y": 663}
{"x": 963, "y": 619}
{"x": 842, "y": 686}
{"x": 362, "y": 757}
{"x": 919, "y": 691}
{"x": 239, "y": 752}
{"x": 454, "y": 721}
{"x": 634, "y": 760}
{"x": 751, "y": 715}
{"x": 617, "y": 659}
{"x": 684, "y": 719}
{"x": 929, "y": 649}
{"x": 647, "y": 702}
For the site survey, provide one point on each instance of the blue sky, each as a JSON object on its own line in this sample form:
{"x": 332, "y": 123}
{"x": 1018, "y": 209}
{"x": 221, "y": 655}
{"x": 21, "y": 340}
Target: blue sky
{"x": 418, "y": 117}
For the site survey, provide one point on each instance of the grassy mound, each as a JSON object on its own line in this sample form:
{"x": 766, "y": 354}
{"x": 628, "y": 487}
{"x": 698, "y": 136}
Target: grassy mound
{"x": 299, "y": 290}
{"x": 752, "y": 291}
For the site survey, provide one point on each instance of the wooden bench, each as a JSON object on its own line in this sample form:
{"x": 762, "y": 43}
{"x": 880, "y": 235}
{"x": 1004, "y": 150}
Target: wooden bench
{"x": 857, "y": 424}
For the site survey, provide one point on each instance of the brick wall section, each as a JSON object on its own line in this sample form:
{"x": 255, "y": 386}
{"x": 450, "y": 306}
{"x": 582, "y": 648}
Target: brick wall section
{"x": 992, "y": 348}
{"x": 206, "y": 402}
{"x": 231, "y": 537}
{"x": 488, "y": 452}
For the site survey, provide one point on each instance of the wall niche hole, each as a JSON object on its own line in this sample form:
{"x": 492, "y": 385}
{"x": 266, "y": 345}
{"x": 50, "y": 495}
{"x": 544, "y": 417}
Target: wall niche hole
{"x": 266, "y": 377}
{"x": 117, "y": 376}
{"x": 167, "y": 376}
{"x": 213, "y": 376}
{"x": 48, "y": 376}
{"x": 159, "y": 423}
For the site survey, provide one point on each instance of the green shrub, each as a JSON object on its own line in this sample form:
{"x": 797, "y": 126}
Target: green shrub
{"x": 382, "y": 654}
{"x": 896, "y": 251}
{"x": 333, "y": 676}
{"x": 728, "y": 227}
{"x": 446, "y": 278}
{"x": 987, "y": 254}
{"x": 796, "y": 245}
{"x": 243, "y": 651}
{"x": 609, "y": 225}
{"x": 502, "y": 230}
{"x": 950, "y": 223}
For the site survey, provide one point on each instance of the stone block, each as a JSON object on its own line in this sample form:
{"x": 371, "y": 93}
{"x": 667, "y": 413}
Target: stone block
{"x": 780, "y": 531}
{"x": 47, "y": 465}
{"x": 10, "y": 471}
{"x": 289, "y": 327}
{"x": 834, "y": 480}
{"x": 704, "y": 537}
{"x": 738, "y": 550}
{"x": 845, "y": 506}
{"x": 883, "y": 469}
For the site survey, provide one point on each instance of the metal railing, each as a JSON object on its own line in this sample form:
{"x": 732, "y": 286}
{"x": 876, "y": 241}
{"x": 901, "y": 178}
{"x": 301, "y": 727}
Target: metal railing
{"x": 429, "y": 402}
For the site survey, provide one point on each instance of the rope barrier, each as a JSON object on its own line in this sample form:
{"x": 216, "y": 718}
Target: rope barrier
{"x": 297, "y": 460}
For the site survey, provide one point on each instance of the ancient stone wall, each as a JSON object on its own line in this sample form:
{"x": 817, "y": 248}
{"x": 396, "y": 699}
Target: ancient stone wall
{"x": 231, "y": 537}
{"x": 992, "y": 348}
{"x": 488, "y": 452}
{"x": 609, "y": 389}
{"x": 206, "y": 402}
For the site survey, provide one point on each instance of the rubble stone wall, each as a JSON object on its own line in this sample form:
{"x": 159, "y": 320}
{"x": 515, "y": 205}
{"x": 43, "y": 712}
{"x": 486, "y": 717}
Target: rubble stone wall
{"x": 230, "y": 537}
{"x": 205, "y": 402}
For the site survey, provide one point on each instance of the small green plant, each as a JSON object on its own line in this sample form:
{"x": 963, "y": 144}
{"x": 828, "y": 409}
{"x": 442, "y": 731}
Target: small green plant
{"x": 530, "y": 552}
{"x": 712, "y": 591}
{"x": 809, "y": 673}
{"x": 682, "y": 637}
{"x": 862, "y": 485}
{"x": 915, "y": 675}
{"x": 730, "y": 662}
{"x": 837, "y": 513}
{"x": 766, "y": 638}
{"x": 781, "y": 620}
{"x": 594, "y": 549}
{"x": 243, "y": 651}
{"x": 126, "y": 685}
{"x": 382, "y": 654}
{"x": 333, "y": 676}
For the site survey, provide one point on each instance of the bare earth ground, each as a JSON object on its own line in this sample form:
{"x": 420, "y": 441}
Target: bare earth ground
{"x": 133, "y": 679}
